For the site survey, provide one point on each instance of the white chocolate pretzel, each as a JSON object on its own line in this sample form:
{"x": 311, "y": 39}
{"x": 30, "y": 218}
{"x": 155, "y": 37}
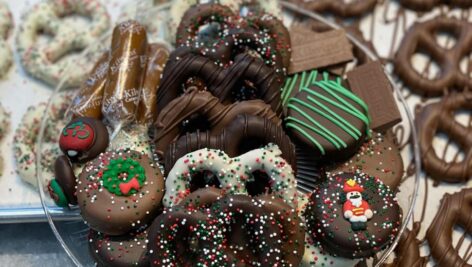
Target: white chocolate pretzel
{"x": 24, "y": 140}
{"x": 43, "y": 61}
{"x": 232, "y": 173}
{"x": 6, "y": 23}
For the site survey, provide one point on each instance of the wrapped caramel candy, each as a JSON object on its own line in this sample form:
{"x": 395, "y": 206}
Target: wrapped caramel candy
{"x": 125, "y": 73}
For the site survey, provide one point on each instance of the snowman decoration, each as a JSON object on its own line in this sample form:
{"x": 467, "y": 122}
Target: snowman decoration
{"x": 356, "y": 209}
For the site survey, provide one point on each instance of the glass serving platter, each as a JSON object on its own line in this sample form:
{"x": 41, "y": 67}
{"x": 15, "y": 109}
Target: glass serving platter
{"x": 72, "y": 233}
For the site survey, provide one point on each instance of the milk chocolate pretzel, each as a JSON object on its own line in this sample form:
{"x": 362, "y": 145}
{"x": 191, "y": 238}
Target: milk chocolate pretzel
{"x": 279, "y": 240}
{"x": 244, "y": 129}
{"x": 203, "y": 103}
{"x": 439, "y": 117}
{"x": 407, "y": 252}
{"x": 455, "y": 209}
{"x": 263, "y": 32}
{"x": 340, "y": 8}
{"x": 427, "y": 5}
{"x": 420, "y": 38}
{"x": 220, "y": 82}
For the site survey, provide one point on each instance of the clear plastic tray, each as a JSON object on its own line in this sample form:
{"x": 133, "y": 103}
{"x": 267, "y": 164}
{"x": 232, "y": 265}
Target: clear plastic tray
{"x": 73, "y": 234}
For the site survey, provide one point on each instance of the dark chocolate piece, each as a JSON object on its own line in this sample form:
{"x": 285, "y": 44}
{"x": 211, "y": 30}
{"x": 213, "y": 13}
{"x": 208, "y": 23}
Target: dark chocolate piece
{"x": 353, "y": 215}
{"x": 119, "y": 191}
{"x": 202, "y": 103}
{"x": 244, "y": 133}
{"x": 439, "y": 118}
{"x": 371, "y": 84}
{"x": 324, "y": 116}
{"x": 421, "y": 38}
{"x": 455, "y": 210}
{"x": 65, "y": 177}
{"x": 83, "y": 139}
{"x": 220, "y": 82}
{"x": 119, "y": 251}
{"x": 340, "y": 8}
{"x": 319, "y": 50}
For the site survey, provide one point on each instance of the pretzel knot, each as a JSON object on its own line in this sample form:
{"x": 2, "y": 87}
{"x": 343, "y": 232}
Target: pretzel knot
{"x": 341, "y": 8}
{"x": 439, "y": 117}
{"x": 45, "y": 61}
{"x": 6, "y": 23}
{"x": 232, "y": 173}
{"x": 426, "y": 5}
{"x": 455, "y": 210}
{"x": 420, "y": 38}
{"x": 264, "y": 33}
{"x": 224, "y": 230}
{"x": 221, "y": 82}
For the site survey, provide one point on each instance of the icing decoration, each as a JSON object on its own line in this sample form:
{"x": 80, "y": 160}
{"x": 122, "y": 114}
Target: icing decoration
{"x": 57, "y": 194}
{"x": 123, "y": 177}
{"x": 329, "y": 101}
{"x": 356, "y": 209}
{"x": 232, "y": 173}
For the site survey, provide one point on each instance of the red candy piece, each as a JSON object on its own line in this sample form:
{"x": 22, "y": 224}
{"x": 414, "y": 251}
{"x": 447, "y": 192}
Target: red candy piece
{"x": 77, "y": 136}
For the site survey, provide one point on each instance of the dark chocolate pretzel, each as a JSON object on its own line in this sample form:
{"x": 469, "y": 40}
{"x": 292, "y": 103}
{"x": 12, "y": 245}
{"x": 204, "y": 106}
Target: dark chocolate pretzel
{"x": 263, "y": 32}
{"x": 206, "y": 212}
{"x": 439, "y": 117}
{"x": 242, "y": 130}
{"x": 340, "y": 8}
{"x": 427, "y": 5}
{"x": 455, "y": 209}
{"x": 420, "y": 38}
{"x": 203, "y": 103}
{"x": 220, "y": 82}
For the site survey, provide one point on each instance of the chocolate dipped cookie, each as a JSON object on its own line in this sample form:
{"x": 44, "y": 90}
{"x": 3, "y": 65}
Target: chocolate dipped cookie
{"x": 119, "y": 191}
{"x": 353, "y": 215}
{"x": 324, "y": 116}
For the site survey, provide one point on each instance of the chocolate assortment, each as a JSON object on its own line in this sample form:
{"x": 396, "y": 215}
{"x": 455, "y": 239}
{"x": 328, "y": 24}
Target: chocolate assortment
{"x": 240, "y": 145}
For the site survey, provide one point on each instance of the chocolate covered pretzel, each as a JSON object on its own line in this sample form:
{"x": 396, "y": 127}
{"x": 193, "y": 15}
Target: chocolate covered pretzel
{"x": 420, "y": 38}
{"x": 203, "y": 228}
{"x": 439, "y": 117}
{"x": 340, "y": 8}
{"x": 234, "y": 139}
{"x": 264, "y": 33}
{"x": 202, "y": 103}
{"x": 220, "y": 82}
{"x": 455, "y": 210}
{"x": 427, "y": 5}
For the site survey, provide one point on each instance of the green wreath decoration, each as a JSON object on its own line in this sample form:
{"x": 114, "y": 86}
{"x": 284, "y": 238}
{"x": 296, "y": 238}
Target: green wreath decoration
{"x": 112, "y": 180}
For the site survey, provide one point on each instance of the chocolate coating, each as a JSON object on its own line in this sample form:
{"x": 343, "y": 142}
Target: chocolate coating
{"x": 427, "y": 5}
{"x": 323, "y": 115}
{"x": 87, "y": 138}
{"x": 455, "y": 210}
{"x": 439, "y": 117}
{"x": 279, "y": 239}
{"x": 326, "y": 222}
{"x": 378, "y": 157}
{"x": 219, "y": 81}
{"x": 118, "y": 212}
{"x": 407, "y": 252}
{"x": 244, "y": 130}
{"x": 420, "y": 38}
{"x": 339, "y": 8}
{"x": 203, "y": 103}
{"x": 65, "y": 177}
{"x": 119, "y": 251}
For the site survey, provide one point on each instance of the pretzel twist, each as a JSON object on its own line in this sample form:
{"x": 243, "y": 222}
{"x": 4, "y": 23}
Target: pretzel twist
{"x": 420, "y": 37}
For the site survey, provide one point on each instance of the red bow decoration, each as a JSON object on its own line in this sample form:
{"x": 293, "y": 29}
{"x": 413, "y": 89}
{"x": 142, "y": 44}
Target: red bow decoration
{"x": 131, "y": 184}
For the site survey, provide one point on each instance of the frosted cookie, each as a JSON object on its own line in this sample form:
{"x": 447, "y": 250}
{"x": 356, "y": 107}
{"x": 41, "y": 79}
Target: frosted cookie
{"x": 4, "y": 127}
{"x": 48, "y": 62}
{"x": 25, "y": 138}
{"x": 6, "y": 24}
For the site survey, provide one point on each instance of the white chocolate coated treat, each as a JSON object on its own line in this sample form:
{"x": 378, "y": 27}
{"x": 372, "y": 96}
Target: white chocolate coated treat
{"x": 232, "y": 173}
{"x": 4, "y": 127}
{"x": 25, "y": 138}
{"x": 46, "y": 62}
{"x": 179, "y": 7}
{"x": 6, "y": 24}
